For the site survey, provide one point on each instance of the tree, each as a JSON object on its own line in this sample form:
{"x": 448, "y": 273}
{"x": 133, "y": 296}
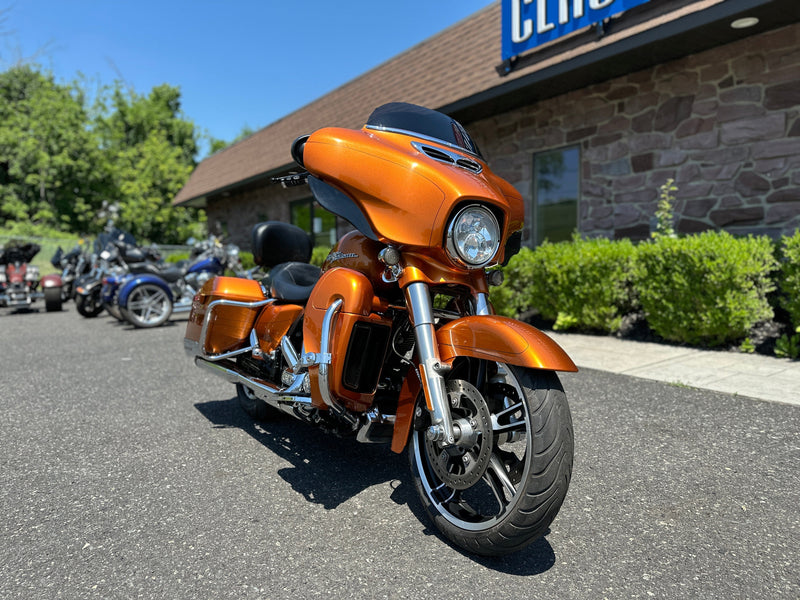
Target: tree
{"x": 215, "y": 145}
{"x": 50, "y": 161}
{"x": 59, "y": 164}
{"x": 150, "y": 148}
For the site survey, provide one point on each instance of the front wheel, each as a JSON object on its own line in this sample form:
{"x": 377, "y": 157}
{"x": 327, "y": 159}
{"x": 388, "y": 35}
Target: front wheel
{"x": 148, "y": 306}
{"x": 89, "y": 305}
{"x": 501, "y": 486}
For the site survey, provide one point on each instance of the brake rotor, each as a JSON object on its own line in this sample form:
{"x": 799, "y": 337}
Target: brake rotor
{"x": 461, "y": 465}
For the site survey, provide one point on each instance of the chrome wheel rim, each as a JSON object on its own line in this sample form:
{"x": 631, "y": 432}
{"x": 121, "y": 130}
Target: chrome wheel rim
{"x": 501, "y": 487}
{"x": 148, "y": 304}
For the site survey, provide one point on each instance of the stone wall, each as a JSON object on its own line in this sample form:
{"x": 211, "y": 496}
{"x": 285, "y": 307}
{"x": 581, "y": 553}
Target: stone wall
{"x": 725, "y": 124}
{"x": 239, "y": 211}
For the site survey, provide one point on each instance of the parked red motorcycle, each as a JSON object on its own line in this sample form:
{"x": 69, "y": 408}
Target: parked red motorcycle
{"x": 394, "y": 340}
{"x": 20, "y": 282}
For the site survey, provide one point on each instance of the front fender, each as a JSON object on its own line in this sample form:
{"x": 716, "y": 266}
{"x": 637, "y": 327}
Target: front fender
{"x": 501, "y": 339}
{"x": 127, "y": 287}
{"x": 490, "y": 337}
{"x": 89, "y": 287}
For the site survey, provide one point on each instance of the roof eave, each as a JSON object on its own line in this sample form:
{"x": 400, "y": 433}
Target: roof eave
{"x": 200, "y": 201}
{"x": 687, "y": 35}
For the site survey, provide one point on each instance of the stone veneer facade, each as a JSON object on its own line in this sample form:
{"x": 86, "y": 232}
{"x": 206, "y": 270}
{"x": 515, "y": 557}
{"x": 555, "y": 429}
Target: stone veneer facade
{"x": 724, "y": 124}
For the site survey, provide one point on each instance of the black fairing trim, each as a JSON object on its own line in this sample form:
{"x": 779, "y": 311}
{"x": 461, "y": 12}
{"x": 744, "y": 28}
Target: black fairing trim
{"x": 298, "y": 147}
{"x": 275, "y": 242}
{"x": 418, "y": 119}
{"x": 513, "y": 246}
{"x": 339, "y": 203}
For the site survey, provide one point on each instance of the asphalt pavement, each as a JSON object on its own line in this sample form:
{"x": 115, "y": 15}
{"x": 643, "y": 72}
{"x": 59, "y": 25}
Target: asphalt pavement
{"x": 129, "y": 473}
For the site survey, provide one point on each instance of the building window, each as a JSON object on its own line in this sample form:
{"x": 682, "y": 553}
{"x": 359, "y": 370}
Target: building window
{"x": 309, "y": 216}
{"x": 556, "y": 188}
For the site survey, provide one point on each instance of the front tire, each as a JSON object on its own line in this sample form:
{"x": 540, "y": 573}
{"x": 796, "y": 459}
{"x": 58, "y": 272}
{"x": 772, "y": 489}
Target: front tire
{"x": 523, "y": 457}
{"x": 88, "y": 306}
{"x": 148, "y": 306}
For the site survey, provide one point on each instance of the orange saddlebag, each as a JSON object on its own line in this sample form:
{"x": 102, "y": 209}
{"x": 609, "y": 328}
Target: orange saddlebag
{"x": 228, "y": 326}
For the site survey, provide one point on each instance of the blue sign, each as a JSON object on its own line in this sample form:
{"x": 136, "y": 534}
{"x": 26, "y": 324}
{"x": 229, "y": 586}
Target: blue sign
{"x": 528, "y": 23}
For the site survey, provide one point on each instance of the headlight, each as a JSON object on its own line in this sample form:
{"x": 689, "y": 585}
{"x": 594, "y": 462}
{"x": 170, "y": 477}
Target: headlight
{"x": 473, "y": 237}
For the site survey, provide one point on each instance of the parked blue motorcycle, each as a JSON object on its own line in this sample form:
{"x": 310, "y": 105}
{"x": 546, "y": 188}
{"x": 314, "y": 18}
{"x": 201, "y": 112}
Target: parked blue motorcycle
{"x": 148, "y": 299}
{"x": 115, "y": 252}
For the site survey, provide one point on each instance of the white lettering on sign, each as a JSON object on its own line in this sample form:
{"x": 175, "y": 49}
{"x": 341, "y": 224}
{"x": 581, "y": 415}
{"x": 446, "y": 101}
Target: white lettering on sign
{"x": 541, "y": 15}
{"x": 528, "y": 23}
{"x": 520, "y": 34}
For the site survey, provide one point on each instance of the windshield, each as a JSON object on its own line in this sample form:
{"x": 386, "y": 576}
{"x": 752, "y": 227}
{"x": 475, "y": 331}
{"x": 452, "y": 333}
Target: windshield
{"x": 427, "y": 123}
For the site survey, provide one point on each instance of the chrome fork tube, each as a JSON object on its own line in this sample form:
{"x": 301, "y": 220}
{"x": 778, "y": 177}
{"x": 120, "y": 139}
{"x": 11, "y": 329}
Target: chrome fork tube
{"x": 418, "y": 300}
{"x": 482, "y": 304}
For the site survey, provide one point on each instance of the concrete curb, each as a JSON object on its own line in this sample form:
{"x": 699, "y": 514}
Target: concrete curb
{"x": 752, "y": 375}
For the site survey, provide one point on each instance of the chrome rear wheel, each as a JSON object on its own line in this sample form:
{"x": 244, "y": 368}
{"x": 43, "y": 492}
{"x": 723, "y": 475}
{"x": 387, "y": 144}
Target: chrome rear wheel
{"x": 148, "y": 306}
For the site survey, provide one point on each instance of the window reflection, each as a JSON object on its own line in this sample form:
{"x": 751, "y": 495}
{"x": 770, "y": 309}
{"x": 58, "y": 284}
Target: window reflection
{"x": 556, "y": 181}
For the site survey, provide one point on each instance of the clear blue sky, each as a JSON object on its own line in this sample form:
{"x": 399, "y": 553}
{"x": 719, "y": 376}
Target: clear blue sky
{"x": 237, "y": 62}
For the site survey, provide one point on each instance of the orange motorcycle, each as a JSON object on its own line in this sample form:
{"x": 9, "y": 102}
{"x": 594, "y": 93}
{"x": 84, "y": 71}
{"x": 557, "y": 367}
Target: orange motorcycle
{"x": 395, "y": 340}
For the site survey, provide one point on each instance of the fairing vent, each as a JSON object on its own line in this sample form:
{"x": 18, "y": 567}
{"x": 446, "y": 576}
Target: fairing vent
{"x": 451, "y": 158}
{"x": 469, "y": 165}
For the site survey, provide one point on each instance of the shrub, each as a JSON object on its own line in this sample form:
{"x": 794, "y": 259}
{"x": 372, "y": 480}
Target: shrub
{"x": 176, "y": 257}
{"x": 790, "y": 277}
{"x": 582, "y": 283}
{"x": 705, "y": 289}
{"x": 665, "y": 212}
{"x": 507, "y": 299}
{"x": 247, "y": 260}
{"x": 319, "y": 254}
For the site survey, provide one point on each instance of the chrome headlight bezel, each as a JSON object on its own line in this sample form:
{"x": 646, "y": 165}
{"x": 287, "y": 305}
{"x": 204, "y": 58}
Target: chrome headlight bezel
{"x": 455, "y": 246}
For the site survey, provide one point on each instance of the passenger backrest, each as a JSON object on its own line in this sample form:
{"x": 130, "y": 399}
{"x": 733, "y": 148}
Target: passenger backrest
{"x": 276, "y": 242}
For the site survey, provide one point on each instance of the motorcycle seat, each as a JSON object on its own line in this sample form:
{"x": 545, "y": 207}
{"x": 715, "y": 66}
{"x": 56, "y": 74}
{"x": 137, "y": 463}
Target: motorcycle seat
{"x": 144, "y": 267}
{"x": 172, "y": 274}
{"x": 293, "y": 281}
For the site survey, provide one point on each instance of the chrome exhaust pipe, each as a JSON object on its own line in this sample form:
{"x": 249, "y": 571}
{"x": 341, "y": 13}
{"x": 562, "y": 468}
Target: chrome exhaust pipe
{"x": 264, "y": 390}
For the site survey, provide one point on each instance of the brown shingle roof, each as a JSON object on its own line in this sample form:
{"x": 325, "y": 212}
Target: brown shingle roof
{"x": 453, "y": 65}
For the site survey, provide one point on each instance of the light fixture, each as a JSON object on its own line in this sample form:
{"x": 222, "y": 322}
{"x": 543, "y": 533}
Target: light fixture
{"x": 745, "y": 22}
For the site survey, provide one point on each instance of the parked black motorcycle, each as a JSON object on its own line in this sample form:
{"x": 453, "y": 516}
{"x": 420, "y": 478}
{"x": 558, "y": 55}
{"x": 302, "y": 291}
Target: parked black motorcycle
{"x": 115, "y": 252}
{"x": 73, "y": 264}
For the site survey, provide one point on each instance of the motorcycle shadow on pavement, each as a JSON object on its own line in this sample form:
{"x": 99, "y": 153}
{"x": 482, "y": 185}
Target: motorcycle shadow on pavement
{"x": 330, "y": 470}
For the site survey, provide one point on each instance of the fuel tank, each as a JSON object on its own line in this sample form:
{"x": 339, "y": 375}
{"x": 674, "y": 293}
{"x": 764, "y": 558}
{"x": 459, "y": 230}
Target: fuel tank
{"x": 357, "y": 252}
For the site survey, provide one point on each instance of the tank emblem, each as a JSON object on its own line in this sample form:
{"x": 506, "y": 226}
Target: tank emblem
{"x": 334, "y": 256}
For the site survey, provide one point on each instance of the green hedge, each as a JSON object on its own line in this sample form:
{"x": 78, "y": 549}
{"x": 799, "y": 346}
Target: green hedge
{"x": 319, "y": 254}
{"x": 707, "y": 289}
{"x": 582, "y": 283}
{"x": 790, "y": 277}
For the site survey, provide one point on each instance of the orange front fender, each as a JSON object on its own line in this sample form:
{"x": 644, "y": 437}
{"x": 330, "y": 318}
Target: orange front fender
{"x": 501, "y": 339}
{"x": 494, "y": 338}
